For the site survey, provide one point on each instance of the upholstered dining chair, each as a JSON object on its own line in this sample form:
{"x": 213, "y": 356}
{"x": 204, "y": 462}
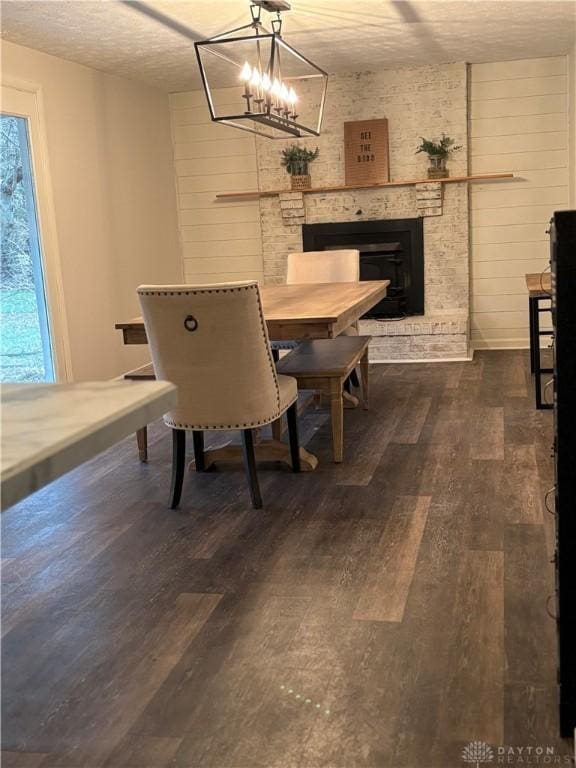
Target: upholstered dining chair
{"x": 337, "y": 266}
{"x": 212, "y": 342}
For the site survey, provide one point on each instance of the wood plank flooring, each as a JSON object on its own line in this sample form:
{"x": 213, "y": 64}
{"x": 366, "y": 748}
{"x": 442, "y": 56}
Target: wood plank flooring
{"x": 378, "y": 614}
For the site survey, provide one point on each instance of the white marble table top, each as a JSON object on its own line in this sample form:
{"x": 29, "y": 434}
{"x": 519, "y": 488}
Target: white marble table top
{"x": 48, "y": 429}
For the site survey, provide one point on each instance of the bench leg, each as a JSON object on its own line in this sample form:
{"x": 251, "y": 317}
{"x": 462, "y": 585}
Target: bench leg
{"x": 337, "y": 417}
{"x": 142, "y": 440}
{"x": 364, "y": 372}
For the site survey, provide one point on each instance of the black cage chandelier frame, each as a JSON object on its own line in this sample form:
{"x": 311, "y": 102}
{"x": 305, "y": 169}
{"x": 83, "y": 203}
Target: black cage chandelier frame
{"x": 272, "y": 111}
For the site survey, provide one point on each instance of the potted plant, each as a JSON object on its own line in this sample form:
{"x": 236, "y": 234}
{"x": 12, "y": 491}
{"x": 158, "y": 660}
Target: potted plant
{"x": 296, "y": 161}
{"x": 438, "y": 152}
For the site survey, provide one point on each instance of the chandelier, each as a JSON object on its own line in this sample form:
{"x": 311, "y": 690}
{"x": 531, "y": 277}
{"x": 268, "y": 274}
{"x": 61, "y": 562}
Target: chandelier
{"x": 257, "y": 82}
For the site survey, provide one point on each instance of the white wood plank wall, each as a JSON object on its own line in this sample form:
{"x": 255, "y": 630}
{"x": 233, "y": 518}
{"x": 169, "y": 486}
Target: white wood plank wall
{"x": 518, "y": 121}
{"x": 221, "y": 241}
{"x": 572, "y": 123}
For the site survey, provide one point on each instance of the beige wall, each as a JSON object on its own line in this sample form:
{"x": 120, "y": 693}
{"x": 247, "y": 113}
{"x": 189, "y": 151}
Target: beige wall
{"x": 518, "y": 121}
{"x": 221, "y": 241}
{"x": 110, "y": 157}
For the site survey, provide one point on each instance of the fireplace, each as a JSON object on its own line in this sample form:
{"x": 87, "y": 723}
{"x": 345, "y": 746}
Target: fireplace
{"x": 391, "y": 249}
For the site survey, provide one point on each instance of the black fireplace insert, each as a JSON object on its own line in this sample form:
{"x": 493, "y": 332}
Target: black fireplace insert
{"x": 390, "y": 249}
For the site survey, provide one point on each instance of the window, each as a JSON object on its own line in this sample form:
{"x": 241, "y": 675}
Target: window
{"x": 25, "y": 344}
{"x": 34, "y": 344}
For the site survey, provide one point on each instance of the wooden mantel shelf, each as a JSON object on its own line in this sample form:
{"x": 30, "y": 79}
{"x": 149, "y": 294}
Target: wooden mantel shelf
{"x": 342, "y": 188}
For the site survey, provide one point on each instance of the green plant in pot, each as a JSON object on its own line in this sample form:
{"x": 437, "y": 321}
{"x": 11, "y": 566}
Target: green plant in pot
{"x": 296, "y": 161}
{"x": 438, "y": 152}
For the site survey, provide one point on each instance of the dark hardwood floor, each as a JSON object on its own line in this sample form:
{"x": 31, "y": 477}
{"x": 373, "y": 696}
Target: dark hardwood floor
{"x": 383, "y": 613}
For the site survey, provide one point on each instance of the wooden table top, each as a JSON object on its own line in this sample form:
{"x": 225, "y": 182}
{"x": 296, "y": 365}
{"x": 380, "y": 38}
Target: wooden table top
{"x": 300, "y": 310}
{"x": 313, "y": 302}
{"x": 539, "y": 283}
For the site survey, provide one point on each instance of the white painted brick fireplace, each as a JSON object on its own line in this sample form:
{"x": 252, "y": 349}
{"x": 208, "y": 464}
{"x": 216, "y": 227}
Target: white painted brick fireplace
{"x": 423, "y": 101}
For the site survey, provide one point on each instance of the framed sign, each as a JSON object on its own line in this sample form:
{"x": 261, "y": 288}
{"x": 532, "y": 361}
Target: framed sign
{"x": 366, "y": 152}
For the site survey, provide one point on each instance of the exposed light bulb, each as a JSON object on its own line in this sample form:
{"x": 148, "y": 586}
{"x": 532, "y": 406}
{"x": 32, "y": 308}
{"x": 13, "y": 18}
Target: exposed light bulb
{"x": 283, "y": 92}
{"x": 266, "y": 84}
{"x": 276, "y": 90}
{"x": 246, "y": 73}
{"x": 292, "y": 98}
{"x": 255, "y": 79}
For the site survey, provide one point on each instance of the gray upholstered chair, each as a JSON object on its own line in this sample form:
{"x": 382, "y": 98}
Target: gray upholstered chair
{"x": 212, "y": 342}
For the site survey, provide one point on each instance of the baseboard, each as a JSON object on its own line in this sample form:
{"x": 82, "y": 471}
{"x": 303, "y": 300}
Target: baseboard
{"x": 428, "y": 360}
{"x": 501, "y": 344}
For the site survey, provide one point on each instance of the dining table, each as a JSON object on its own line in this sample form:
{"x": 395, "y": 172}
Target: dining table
{"x": 299, "y": 310}
{"x": 292, "y": 312}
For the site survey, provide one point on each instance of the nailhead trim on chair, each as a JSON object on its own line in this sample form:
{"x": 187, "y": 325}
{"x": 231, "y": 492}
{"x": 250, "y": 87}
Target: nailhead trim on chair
{"x": 193, "y": 293}
{"x": 270, "y": 358}
{"x": 247, "y": 425}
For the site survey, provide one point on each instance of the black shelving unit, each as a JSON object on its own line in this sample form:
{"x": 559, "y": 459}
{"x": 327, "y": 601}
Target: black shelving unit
{"x": 563, "y": 265}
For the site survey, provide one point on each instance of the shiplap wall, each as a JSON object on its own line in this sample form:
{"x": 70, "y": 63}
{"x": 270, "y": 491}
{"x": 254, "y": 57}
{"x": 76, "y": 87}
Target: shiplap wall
{"x": 518, "y": 122}
{"x": 221, "y": 241}
{"x": 572, "y": 123}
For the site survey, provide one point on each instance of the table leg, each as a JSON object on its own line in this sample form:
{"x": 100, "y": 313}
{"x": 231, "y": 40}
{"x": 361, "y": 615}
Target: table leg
{"x": 538, "y": 370}
{"x": 364, "y": 373}
{"x": 337, "y": 417}
{"x": 536, "y": 356}
{"x": 142, "y": 440}
{"x": 350, "y": 400}
{"x": 532, "y": 305}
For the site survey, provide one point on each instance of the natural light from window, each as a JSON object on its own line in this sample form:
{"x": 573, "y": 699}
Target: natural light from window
{"x": 25, "y": 348}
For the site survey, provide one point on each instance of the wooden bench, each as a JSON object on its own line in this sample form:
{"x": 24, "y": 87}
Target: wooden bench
{"x": 145, "y": 372}
{"x": 324, "y": 365}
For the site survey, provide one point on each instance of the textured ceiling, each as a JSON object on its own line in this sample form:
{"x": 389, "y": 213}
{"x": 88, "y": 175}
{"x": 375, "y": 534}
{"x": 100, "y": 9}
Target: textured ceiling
{"x": 339, "y": 35}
